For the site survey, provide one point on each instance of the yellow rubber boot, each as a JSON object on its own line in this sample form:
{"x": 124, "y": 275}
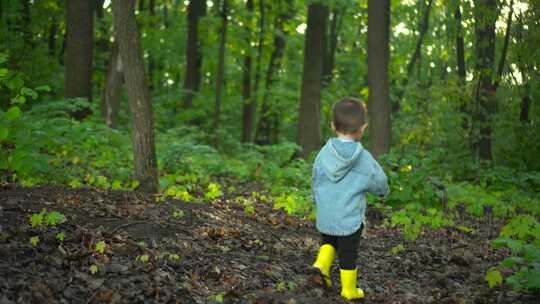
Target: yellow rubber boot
{"x": 324, "y": 262}
{"x": 349, "y": 290}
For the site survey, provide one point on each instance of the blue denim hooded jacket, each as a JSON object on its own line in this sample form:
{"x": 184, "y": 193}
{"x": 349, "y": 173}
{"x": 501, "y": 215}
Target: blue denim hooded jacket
{"x": 342, "y": 173}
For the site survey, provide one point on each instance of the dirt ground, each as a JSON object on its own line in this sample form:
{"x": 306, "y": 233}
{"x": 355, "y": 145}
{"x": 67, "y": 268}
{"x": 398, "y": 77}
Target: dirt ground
{"x": 217, "y": 253}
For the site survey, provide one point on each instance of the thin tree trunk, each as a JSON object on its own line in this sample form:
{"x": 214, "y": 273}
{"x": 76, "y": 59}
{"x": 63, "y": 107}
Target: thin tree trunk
{"x": 110, "y": 102}
{"x": 418, "y": 49}
{"x": 248, "y": 100}
{"x": 268, "y": 127}
{"x": 251, "y": 108}
{"x": 139, "y": 95}
{"x": 460, "y": 46}
{"x": 26, "y": 21}
{"x": 151, "y": 61}
{"x": 220, "y": 72}
{"x": 78, "y": 57}
{"x": 378, "y": 57}
{"x": 486, "y": 13}
{"x": 502, "y": 60}
{"x": 51, "y": 41}
{"x": 309, "y": 130}
{"x": 336, "y": 22}
{"x": 196, "y": 10}
{"x": 525, "y": 98}
{"x": 99, "y": 8}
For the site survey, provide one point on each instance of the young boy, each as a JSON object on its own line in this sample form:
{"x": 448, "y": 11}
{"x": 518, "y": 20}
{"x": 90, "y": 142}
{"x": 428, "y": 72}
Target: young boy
{"x": 342, "y": 173}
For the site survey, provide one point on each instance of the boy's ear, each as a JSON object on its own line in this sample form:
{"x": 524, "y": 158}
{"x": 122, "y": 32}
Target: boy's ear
{"x": 332, "y": 126}
{"x": 361, "y": 130}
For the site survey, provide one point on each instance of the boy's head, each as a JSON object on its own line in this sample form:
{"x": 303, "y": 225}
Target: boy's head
{"x": 349, "y": 117}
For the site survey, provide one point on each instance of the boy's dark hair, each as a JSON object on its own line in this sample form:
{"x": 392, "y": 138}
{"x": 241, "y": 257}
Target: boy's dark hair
{"x": 348, "y": 115}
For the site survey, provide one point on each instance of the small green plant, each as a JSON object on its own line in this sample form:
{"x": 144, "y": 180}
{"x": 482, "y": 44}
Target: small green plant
{"x": 397, "y": 249}
{"x": 522, "y": 236}
{"x": 93, "y": 269}
{"x": 100, "y": 247}
{"x": 214, "y": 191}
{"x": 174, "y": 257}
{"x": 141, "y": 244}
{"x": 249, "y": 209}
{"x": 144, "y": 258}
{"x": 36, "y": 219}
{"x": 34, "y": 241}
{"x": 178, "y": 214}
{"x": 219, "y": 298}
{"x": 60, "y": 236}
{"x": 44, "y": 218}
{"x": 54, "y": 218}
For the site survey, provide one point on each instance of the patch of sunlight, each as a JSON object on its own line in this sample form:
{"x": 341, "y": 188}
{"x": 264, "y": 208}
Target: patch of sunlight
{"x": 209, "y": 3}
{"x": 170, "y": 81}
{"x": 401, "y": 28}
{"x": 301, "y": 29}
{"x": 432, "y": 64}
{"x": 470, "y": 76}
{"x": 106, "y": 3}
{"x": 517, "y": 74}
{"x": 429, "y": 50}
{"x": 448, "y": 69}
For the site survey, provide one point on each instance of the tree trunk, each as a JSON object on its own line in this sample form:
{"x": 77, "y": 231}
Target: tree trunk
{"x": 460, "y": 46}
{"x": 336, "y": 22}
{"x": 486, "y": 13}
{"x": 196, "y": 10}
{"x": 139, "y": 95}
{"x": 26, "y": 21}
{"x": 251, "y": 107}
{"x": 378, "y": 57}
{"x": 247, "y": 117}
{"x": 418, "y": 49}
{"x": 268, "y": 127}
{"x": 99, "y": 8}
{"x": 309, "y": 130}
{"x": 51, "y": 41}
{"x": 220, "y": 72}
{"x": 110, "y": 102}
{"x": 502, "y": 60}
{"x": 78, "y": 53}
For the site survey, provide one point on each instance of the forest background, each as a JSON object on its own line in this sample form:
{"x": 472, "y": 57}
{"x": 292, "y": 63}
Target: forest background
{"x": 228, "y": 93}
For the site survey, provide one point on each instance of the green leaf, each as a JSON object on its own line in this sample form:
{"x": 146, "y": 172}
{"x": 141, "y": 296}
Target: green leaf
{"x": 13, "y": 113}
{"x": 93, "y": 269}
{"x": 34, "y": 241}
{"x": 4, "y": 132}
{"x": 29, "y": 92}
{"x": 54, "y": 218}
{"x": 60, "y": 236}
{"x": 3, "y": 72}
{"x": 397, "y": 249}
{"x": 44, "y": 88}
{"x": 100, "y": 247}
{"x": 494, "y": 277}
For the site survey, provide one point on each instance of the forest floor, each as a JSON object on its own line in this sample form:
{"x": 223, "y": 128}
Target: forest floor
{"x": 217, "y": 253}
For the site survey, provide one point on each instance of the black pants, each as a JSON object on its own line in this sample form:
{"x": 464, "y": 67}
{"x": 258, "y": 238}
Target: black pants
{"x": 346, "y": 246}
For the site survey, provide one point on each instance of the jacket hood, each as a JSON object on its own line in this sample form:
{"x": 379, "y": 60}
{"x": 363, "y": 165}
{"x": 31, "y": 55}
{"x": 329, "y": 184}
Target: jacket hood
{"x": 337, "y": 158}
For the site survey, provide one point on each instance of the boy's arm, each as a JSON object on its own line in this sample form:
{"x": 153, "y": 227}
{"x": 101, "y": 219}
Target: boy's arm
{"x": 379, "y": 182}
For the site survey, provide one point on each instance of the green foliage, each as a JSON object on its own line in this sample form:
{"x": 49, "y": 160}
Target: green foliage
{"x": 100, "y": 246}
{"x": 34, "y": 240}
{"x": 522, "y": 236}
{"x": 214, "y": 191}
{"x": 93, "y": 269}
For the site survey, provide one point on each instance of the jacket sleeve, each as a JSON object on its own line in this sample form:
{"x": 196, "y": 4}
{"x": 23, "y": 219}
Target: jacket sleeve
{"x": 378, "y": 184}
